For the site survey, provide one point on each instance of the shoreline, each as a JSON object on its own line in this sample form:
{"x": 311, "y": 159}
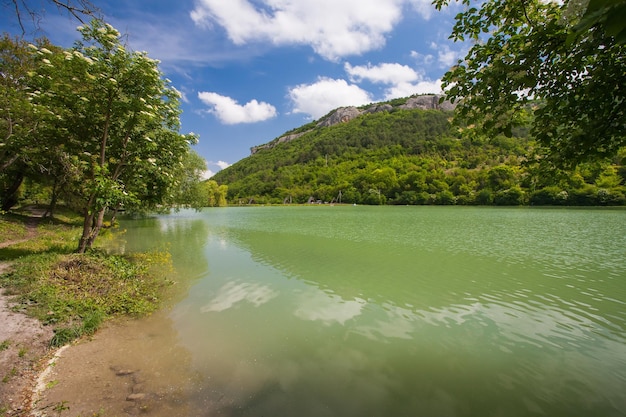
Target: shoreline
{"x": 38, "y": 379}
{"x": 45, "y": 381}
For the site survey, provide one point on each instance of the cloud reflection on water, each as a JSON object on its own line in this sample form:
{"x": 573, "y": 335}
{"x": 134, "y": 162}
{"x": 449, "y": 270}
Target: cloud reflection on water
{"x": 233, "y": 293}
{"x": 317, "y": 305}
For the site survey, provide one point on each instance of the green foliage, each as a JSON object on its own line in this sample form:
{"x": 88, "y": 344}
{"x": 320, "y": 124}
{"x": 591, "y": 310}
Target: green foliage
{"x": 190, "y": 191}
{"x": 215, "y": 193}
{"x": 552, "y": 195}
{"x": 16, "y": 121}
{"x": 95, "y": 125}
{"x": 20, "y": 144}
{"x": 609, "y": 14}
{"x": 414, "y": 157}
{"x": 537, "y": 61}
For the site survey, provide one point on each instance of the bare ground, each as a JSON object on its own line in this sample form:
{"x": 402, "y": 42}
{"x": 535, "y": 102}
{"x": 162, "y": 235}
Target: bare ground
{"x": 24, "y": 345}
{"x": 26, "y": 341}
{"x": 127, "y": 368}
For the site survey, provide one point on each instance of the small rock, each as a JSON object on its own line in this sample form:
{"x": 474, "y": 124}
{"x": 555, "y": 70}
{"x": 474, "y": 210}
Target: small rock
{"x": 124, "y": 372}
{"x": 136, "y": 396}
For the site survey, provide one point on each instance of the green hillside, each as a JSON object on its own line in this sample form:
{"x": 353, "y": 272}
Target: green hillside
{"x": 412, "y": 156}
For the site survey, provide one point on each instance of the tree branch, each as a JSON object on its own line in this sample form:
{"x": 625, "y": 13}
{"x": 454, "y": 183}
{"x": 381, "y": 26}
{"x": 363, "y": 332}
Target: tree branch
{"x": 78, "y": 9}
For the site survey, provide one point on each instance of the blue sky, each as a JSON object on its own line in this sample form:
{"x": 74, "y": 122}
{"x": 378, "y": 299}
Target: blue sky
{"x": 249, "y": 70}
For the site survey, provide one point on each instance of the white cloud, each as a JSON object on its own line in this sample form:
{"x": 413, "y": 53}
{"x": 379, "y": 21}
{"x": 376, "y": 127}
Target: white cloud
{"x": 207, "y": 174}
{"x": 222, "y": 164}
{"x": 174, "y": 39}
{"x": 422, "y": 59}
{"x": 333, "y": 28}
{"x": 446, "y": 57}
{"x": 408, "y": 89}
{"x": 423, "y": 7}
{"x": 229, "y": 112}
{"x": 402, "y": 80}
{"x": 326, "y": 94}
{"x": 219, "y": 165}
{"x": 385, "y": 73}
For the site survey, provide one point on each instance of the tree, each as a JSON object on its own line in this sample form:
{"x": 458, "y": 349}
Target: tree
{"x": 15, "y": 62}
{"x": 501, "y": 177}
{"x": 216, "y": 194}
{"x": 19, "y": 142}
{"x": 114, "y": 119}
{"x": 537, "y": 58}
{"x": 608, "y": 178}
{"x": 190, "y": 191}
{"x": 13, "y": 105}
{"x": 383, "y": 180}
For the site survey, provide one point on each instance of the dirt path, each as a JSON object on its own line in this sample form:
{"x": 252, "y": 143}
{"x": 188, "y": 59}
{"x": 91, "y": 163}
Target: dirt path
{"x": 23, "y": 344}
{"x": 31, "y": 231}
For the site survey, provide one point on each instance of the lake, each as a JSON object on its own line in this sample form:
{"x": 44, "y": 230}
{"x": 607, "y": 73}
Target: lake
{"x": 388, "y": 311}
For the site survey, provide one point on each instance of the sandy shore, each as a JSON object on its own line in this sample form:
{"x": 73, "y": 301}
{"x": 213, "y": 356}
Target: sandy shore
{"x": 124, "y": 369}
{"x": 119, "y": 371}
{"x": 127, "y": 368}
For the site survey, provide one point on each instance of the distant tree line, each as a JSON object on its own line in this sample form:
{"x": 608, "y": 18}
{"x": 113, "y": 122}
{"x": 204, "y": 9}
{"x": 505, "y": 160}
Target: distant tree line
{"x": 418, "y": 157}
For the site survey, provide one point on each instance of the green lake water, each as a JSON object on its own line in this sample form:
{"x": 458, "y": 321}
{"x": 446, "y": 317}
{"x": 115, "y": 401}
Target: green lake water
{"x": 391, "y": 311}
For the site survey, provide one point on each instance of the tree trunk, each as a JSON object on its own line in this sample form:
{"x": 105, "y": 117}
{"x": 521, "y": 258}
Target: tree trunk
{"x": 97, "y": 225}
{"x": 93, "y": 221}
{"x": 53, "y": 201}
{"x": 87, "y": 223}
{"x": 9, "y": 197}
{"x": 114, "y": 217}
{"x": 91, "y": 227}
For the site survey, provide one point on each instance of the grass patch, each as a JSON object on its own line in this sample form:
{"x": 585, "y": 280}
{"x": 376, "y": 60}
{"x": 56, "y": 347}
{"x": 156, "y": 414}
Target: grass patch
{"x": 75, "y": 293}
{"x": 12, "y": 373}
{"x": 50, "y": 238}
{"x": 11, "y": 228}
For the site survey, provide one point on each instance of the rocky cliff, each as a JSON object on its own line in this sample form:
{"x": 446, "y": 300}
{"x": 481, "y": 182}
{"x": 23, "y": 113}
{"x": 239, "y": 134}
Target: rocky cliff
{"x": 345, "y": 114}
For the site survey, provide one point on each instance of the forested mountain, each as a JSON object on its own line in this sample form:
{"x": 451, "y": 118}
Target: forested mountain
{"x": 391, "y": 153}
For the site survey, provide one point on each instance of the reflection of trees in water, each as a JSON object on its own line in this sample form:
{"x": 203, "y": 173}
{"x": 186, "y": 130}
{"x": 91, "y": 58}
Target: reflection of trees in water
{"x": 187, "y": 239}
{"x": 183, "y": 237}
